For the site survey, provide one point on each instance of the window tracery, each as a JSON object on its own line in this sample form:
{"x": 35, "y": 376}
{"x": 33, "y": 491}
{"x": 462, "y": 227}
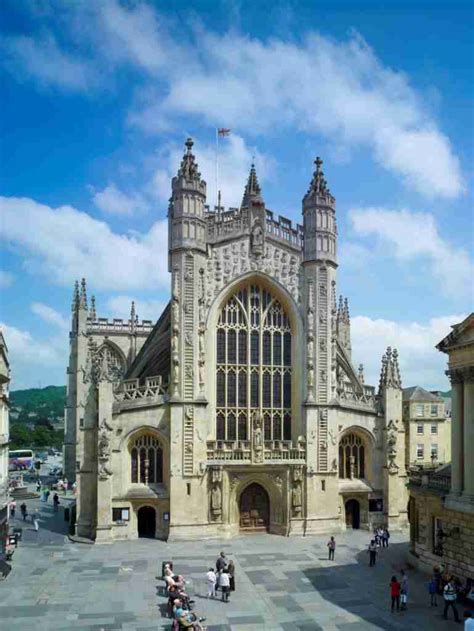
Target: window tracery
{"x": 351, "y": 457}
{"x": 253, "y": 372}
{"x": 147, "y": 460}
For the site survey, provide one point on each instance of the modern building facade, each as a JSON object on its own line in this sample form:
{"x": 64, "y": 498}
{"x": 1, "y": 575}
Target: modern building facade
{"x": 4, "y": 438}
{"x": 241, "y": 408}
{"x": 427, "y": 428}
{"x": 442, "y": 500}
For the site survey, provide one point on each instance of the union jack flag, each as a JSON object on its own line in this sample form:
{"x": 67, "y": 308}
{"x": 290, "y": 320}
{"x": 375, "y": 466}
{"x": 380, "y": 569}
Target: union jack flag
{"x": 222, "y": 131}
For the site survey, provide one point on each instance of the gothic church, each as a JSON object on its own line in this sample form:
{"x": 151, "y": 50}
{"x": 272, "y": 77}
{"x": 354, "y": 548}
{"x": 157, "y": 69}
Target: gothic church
{"x": 240, "y": 409}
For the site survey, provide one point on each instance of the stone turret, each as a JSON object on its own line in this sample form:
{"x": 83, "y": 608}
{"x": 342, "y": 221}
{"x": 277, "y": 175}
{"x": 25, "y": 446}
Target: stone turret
{"x": 187, "y": 224}
{"x": 319, "y": 219}
{"x": 393, "y": 441}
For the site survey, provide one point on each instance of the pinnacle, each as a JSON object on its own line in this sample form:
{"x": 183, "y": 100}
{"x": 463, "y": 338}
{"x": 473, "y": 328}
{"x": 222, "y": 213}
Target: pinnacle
{"x": 318, "y": 184}
{"x": 252, "y": 192}
{"x": 189, "y": 168}
{"x": 83, "y": 295}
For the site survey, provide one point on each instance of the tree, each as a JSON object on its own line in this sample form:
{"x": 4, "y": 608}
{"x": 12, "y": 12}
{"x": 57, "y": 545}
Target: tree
{"x": 42, "y": 437}
{"x": 20, "y": 436}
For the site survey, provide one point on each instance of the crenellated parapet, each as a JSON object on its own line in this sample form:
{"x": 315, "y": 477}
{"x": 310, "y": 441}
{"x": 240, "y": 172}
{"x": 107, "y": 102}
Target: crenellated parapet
{"x": 118, "y": 325}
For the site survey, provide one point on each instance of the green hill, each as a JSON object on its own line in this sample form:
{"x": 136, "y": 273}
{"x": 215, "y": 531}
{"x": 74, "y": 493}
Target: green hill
{"x": 37, "y": 417}
{"x": 27, "y": 406}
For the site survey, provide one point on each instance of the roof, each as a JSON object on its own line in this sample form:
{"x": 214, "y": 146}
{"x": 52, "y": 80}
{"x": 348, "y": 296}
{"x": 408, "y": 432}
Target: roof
{"x": 154, "y": 356}
{"x": 417, "y": 393}
{"x": 458, "y": 336}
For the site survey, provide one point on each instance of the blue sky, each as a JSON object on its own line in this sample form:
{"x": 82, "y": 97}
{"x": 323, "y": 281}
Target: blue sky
{"x": 97, "y": 99}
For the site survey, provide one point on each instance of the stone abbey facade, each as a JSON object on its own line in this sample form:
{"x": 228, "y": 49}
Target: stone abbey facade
{"x": 240, "y": 409}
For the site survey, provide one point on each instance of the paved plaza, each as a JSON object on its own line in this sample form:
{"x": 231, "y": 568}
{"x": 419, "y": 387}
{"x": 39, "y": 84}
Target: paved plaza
{"x": 281, "y": 584}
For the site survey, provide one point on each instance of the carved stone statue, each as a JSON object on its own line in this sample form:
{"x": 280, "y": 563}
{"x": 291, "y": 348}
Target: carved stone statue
{"x": 257, "y": 238}
{"x": 296, "y": 498}
{"x": 216, "y": 501}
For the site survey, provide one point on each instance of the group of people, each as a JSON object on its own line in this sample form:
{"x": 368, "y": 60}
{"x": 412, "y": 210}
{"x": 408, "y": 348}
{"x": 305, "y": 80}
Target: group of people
{"x": 452, "y": 590}
{"x": 380, "y": 540}
{"x": 180, "y": 605}
{"x": 222, "y": 578}
{"x": 399, "y": 592}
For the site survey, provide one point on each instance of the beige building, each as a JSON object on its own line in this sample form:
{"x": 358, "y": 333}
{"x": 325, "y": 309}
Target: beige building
{"x": 4, "y": 437}
{"x": 241, "y": 408}
{"x": 427, "y": 428}
{"x": 442, "y": 501}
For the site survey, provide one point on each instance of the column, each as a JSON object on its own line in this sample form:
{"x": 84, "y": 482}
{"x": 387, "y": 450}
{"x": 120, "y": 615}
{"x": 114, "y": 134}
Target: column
{"x": 457, "y": 404}
{"x": 469, "y": 435}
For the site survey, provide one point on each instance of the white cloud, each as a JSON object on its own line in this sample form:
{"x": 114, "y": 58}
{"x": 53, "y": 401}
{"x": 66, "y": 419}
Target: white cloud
{"x": 119, "y": 307}
{"x": 339, "y": 89}
{"x": 6, "y": 279}
{"x": 420, "y": 363}
{"x": 49, "y": 315}
{"x": 64, "y": 244}
{"x": 113, "y": 201}
{"x": 415, "y": 236}
{"x": 42, "y": 59}
{"x": 235, "y": 158}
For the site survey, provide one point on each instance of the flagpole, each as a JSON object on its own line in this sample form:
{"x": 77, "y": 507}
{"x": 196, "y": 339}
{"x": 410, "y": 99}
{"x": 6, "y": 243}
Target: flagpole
{"x": 217, "y": 168}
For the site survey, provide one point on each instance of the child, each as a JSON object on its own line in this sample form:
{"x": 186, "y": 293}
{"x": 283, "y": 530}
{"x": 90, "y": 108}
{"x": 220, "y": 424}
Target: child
{"x": 211, "y": 583}
{"x": 395, "y": 593}
{"x": 433, "y": 591}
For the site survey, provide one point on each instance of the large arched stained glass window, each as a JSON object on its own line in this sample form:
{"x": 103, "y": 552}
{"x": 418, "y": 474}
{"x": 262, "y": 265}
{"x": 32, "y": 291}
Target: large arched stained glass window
{"x": 253, "y": 372}
{"x": 351, "y": 457}
{"x": 147, "y": 460}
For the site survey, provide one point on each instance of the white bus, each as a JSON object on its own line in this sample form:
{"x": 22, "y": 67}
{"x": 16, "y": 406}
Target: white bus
{"x": 20, "y": 459}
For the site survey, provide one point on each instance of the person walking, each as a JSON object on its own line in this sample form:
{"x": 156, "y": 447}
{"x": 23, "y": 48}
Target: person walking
{"x": 433, "y": 592}
{"x": 47, "y": 493}
{"x": 404, "y": 590}
{"x": 221, "y": 562}
{"x": 331, "y": 548}
{"x": 395, "y": 593}
{"x": 12, "y": 509}
{"x": 38, "y": 485}
{"x": 385, "y": 538}
{"x": 211, "y": 579}
{"x": 55, "y": 502}
{"x": 449, "y": 595}
{"x": 468, "y": 621}
{"x": 224, "y": 583}
{"x": 24, "y": 511}
{"x": 372, "y": 553}
{"x": 35, "y": 520}
{"x": 231, "y": 569}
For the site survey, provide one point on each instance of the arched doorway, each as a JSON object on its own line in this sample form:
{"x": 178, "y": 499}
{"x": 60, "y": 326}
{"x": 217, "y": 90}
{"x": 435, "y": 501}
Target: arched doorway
{"x": 254, "y": 507}
{"x": 146, "y": 521}
{"x": 352, "y": 514}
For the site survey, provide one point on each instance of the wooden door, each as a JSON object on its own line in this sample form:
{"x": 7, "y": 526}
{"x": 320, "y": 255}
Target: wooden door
{"x": 254, "y": 508}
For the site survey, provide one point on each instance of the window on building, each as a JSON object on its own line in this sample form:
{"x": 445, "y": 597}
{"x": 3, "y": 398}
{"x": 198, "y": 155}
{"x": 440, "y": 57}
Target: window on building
{"x": 420, "y": 428}
{"x": 434, "y": 428}
{"x": 147, "y": 460}
{"x": 351, "y": 457}
{"x": 420, "y": 452}
{"x": 253, "y": 366}
{"x": 434, "y": 451}
{"x": 420, "y": 409}
{"x": 433, "y": 409}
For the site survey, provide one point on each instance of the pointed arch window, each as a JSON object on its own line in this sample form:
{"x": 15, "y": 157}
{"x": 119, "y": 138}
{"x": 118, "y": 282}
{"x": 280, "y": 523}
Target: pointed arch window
{"x": 253, "y": 371}
{"x": 146, "y": 460}
{"x": 351, "y": 457}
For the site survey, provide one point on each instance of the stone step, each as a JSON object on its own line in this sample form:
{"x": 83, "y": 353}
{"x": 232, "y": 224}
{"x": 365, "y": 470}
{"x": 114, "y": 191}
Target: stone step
{"x": 22, "y": 493}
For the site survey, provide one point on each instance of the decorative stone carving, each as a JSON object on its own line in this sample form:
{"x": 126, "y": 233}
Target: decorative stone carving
{"x": 392, "y": 431}
{"x": 201, "y": 332}
{"x": 257, "y": 239}
{"x": 103, "y": 449}
{"x": 310, "y": 342}
{"x": 175, "y": 323}
{"x": 257, "y": 437}
{"x": 216, "y": 493}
